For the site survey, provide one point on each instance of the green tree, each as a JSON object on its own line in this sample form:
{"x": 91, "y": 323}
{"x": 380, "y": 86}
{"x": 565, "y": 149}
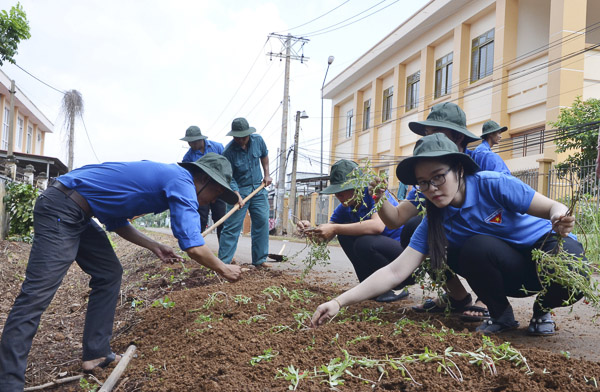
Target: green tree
{"x": 574, "y": 136}
{"x": 14, "y": 28}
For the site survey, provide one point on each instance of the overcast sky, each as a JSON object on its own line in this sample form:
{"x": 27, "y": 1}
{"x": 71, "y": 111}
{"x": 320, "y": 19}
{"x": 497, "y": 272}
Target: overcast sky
{"x": 149, "y": 69}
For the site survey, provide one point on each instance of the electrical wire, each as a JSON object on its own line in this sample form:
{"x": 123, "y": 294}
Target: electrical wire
{"x": 39, "y": 80}
{"x": 312, "y": 20}
{"x": 241, "y": 84}
{"x": 88, "y": 137}
{"x": 353, "y": 22}
{"x": 343, "y": 21}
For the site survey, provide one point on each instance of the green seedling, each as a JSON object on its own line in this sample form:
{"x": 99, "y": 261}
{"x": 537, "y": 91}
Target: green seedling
{"x": 253, "y": 319}
{"x": 241, "y": 299}
{"x": 87, "y": 386}
{"x": 164, "y": 302}
{"x": 358, "y": 339}
{"x": 136, "y": 303}
{"x": 267, "y": 355}
{"x": 292, "y": 375}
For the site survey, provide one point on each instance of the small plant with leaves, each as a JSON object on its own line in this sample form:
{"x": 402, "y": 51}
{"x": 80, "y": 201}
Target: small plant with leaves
{"x": 267, "y": 355}
{"x": 360, "y": 179}
{"x": 19, "y": 202}
{"x": 318, "y": 254}
{"x": 87, "y": 386}
{"x": 292, "y": 375}
{"x": 164, "y": 302}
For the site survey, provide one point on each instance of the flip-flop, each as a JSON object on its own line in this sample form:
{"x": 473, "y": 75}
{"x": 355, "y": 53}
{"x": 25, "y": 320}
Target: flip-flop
{"x": 102, "y": 365}
{"x": 472, "y": 319}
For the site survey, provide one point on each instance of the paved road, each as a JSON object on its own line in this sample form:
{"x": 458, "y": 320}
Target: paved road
{"x": 577, "y": 333}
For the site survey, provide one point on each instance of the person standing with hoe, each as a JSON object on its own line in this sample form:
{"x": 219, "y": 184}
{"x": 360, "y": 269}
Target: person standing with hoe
{"x": 199, "y": 146}
{"x": 247, "y": 153}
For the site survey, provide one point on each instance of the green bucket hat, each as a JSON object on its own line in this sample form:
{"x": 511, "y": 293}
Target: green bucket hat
{"x": 240, "y": 128}
{"x": 444, "y": 115}
{"x": 339, "y": 173}
{"x": 218, "y": 168}
{"x": 192, "y": 134}
{"x": 491, "y": 127}
{"x": 432, "y": 146}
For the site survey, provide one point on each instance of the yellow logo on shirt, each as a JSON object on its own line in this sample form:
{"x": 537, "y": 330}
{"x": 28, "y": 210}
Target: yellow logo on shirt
{"x": 495, "y": 217}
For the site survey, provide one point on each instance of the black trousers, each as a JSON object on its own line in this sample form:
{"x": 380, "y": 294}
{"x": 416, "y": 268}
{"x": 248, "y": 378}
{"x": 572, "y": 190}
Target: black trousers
{"x": 368, "y": 253}
{"x": 218, "y": 210}
{"x": 62, "y": 234}
{"x": 496, "y": 270}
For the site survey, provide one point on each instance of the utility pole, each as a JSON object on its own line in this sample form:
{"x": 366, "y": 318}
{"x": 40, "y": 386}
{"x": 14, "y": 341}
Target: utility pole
{"x": 288, "y": 42}
{"x": 292, "y": 198}
{"x": 11, "y": 162}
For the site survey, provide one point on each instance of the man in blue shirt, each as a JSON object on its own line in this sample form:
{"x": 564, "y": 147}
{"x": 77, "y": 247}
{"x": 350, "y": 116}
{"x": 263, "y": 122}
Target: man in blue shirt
{"x": 64, "y": 231}
{"x": 247, "y": 153}
{"x": 199, "y": 146}
{"x": 483, "y": 154}
{"x": 367, "y": 242}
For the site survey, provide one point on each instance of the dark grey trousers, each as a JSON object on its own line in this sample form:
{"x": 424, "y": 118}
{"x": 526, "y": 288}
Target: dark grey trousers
{"x": 62, "y": 234}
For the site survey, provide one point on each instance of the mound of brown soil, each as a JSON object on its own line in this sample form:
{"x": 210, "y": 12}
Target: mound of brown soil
{"x": 197, "y": 333}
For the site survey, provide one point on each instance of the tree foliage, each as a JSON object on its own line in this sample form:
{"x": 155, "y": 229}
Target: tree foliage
{"x": 574, "y": 135}
{"x": 14, "y": 28}
{"x": 19, "y": 202}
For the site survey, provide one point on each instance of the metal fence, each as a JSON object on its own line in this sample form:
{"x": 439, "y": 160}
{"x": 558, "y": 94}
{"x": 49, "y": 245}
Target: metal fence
{"x": 528, "y": 176}
{"x": 580, "y": 182}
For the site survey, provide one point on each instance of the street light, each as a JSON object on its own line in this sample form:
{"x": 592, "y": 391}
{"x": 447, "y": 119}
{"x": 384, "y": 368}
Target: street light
{"x": 292, "y": 198}
{"x": 329, "y": 61}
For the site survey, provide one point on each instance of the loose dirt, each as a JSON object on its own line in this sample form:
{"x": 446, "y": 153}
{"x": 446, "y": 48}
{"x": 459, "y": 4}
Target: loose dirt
{"x": 195, "y": 332}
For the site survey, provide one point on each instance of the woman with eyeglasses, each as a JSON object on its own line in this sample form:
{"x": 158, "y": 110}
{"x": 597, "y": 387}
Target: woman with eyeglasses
{"x": 491, "y": 222}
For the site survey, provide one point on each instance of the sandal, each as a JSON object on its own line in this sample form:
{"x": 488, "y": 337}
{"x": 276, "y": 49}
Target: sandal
{"x": 472, "y": 319}
{"x": 456, "y": 306}
{"x": 494, "y": 326}
{"x": 107, "y": 361}
{"x": 542, "y": 326}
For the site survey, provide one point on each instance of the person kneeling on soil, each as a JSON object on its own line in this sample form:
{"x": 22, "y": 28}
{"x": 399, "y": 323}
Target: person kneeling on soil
{"x": 65, "y": 231}
{"x": 493, "y": 221}
{"x": 367, "y": 242}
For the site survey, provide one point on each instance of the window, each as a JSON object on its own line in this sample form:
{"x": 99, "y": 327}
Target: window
{"x": 388, "y": 95}
{"x": 5, "y": 129}
{"x": 367, "y": 115}
{"x": 349, "y": 118}
{"x": 482, "y": 56}
{"x": 443, "y": 76}
{"x": 29, "y": 139}
{"x": 20, "y": 129}
{"x": 529, "y": 143}
{"x": 412, "y": 90}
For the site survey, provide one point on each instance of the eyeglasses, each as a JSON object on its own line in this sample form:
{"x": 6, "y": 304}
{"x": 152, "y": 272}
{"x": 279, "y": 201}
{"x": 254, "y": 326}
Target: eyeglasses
{"x": 437, "y": 181}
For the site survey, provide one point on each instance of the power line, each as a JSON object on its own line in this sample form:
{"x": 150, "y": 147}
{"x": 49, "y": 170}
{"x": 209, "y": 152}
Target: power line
{"x": 39, "y": 80}
{"x": 88, "y": 137}
{"x": 318, "y": 17}
{"x": 355, "y": 21}
{"x": 343, "y": 21}
{"x": 241, "y": 84}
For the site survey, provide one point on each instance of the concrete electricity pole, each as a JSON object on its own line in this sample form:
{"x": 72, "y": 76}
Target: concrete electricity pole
{"x": 288, "y": 42}
{"x": 292, "y": 198}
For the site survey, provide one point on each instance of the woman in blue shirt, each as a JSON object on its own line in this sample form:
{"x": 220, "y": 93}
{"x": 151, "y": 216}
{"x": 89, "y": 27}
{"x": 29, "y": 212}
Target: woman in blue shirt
{"x": 367, "y": 242}
{"x": 493, "y": 221}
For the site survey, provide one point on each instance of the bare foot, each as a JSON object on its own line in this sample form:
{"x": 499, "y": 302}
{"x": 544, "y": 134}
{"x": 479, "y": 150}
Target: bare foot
{"x": 477, "y": 313}
{"x": 100, "y": 362}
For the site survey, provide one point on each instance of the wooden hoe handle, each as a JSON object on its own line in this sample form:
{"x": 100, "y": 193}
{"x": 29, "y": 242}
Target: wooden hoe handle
{"x": 234, "y": 209}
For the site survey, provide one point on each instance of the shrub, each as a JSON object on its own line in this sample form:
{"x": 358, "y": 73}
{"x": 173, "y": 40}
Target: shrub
{"x": 19, "y": 202}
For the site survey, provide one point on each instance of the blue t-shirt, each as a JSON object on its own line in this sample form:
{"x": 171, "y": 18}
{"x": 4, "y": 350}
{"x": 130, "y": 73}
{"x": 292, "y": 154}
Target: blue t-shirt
{"x": 343, "y": 214}
{"x": 247, "y": 169}
{"x": 489, "y": 163}
{"x": 496, "y": 205}
{"x": 209, "y": 146}
{"x": 487, "y": 159}
{"x": 117, "y": 191}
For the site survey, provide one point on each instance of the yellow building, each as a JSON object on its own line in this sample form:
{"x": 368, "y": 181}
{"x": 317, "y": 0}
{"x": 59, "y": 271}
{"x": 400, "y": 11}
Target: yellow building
{"x": 516, "y": 62}
{"x": 29, "y": 134}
